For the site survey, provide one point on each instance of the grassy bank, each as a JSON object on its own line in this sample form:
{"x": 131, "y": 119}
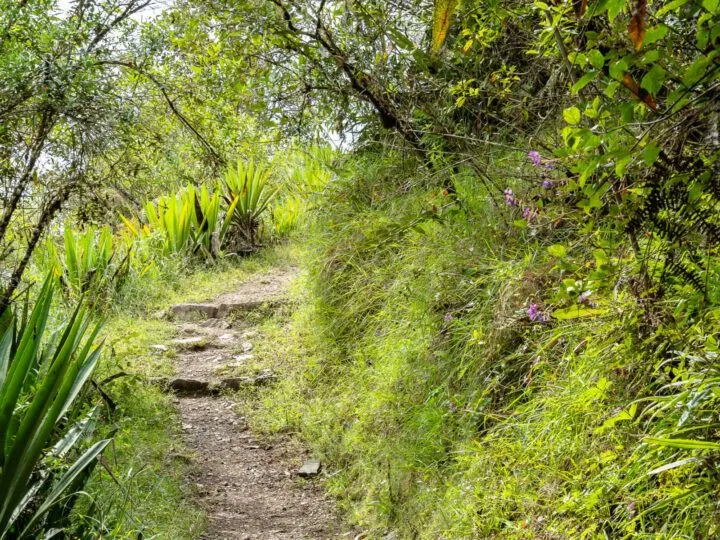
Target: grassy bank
{"x": 447, "y": 368}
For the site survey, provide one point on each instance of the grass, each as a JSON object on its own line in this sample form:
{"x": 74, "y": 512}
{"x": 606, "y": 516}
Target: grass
{"x": 442, "y": 411}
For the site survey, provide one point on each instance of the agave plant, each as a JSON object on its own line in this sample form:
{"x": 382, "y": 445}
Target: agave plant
{"x": 210, "y": 227}
{"x": 86, "y": 259}
{"x": 189, "y": 221}
{"x": 40, "y": 378}
{"x": 248, "y": 184}
{"x": 173, "y": 217}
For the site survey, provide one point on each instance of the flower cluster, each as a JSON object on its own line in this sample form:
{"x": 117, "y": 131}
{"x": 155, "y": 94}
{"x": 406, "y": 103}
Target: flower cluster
{"x": 537, "y": 160}
{"x": 510, "y": 199}
{"x": 535, "y": 315}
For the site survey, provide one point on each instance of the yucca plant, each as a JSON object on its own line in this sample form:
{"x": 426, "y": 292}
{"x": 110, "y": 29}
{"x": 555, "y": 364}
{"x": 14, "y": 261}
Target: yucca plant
{"x": 86, "y": 258}
{"x": 210, "y": 227}
{"x": 248, "y": 183}
{"x": 40, "y": 378}
{"x": 173, "y": 217}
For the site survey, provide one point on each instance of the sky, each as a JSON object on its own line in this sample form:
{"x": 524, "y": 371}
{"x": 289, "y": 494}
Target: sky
{"x": 155, "y": 8}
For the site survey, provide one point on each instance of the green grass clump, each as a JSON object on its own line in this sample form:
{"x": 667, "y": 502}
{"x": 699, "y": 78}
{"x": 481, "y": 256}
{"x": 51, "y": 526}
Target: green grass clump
{"x": 414, "y": 368}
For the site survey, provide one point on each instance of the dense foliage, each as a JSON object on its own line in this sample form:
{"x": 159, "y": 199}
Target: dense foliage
{"x": 509, "y": 325}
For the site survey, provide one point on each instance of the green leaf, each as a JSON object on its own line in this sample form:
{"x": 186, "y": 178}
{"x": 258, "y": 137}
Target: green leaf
{"x": 572, "y": 115}
{"x": 710, "y": 5}
{"x": 614, "y": 8}
{"x": 695, "y": 71}
{"x": 577, "y": 312}
{"x": 611, "y": 89}
{"x": 686, "y": 444}
{"x": 557, "y": 250}
{"x": 596, "y": 58}
{"x": 655, "y": 33}
{"x": 584, "y": 81}
{"x": 650, "y": 154}
{"x": 619, "y": 68}
{"x": 671, "y": 6}
{"x": 653, "y": 79}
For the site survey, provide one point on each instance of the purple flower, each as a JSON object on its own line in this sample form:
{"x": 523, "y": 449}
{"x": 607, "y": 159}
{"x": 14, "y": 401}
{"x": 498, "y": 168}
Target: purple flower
{"x": 510, "y": 199}
{"x": 549, "y": 166}
{"x": 535, "y": 158}
{"x": 535, "y": 314}
{"x": 448, "y": 317}
{"x": 528, "y": 214}
{"x": 547, "y": 184}
{"x": 584, "y": 298}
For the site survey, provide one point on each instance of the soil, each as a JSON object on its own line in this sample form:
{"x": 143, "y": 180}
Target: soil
{"x": 250, "y": 488}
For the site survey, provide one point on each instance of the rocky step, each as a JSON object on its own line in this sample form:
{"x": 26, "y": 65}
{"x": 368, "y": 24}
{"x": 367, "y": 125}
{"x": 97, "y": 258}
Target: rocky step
{"x": 195, "y": 312}
{"x": 189, "y": 386}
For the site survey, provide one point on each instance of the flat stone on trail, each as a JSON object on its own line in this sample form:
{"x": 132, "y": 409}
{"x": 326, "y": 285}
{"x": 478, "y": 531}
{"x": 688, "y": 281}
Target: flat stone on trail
{"x": 310, "y": 468}
{"x": 194, "y": 312}
{"x": 196, "y": 342}
{"x": 239, "y": 361}
{"x": 188, "y": 385}
{"x": 221, "y": 324}
{"x": 159, "y": 347}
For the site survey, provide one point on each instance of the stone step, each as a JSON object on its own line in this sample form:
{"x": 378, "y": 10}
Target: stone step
{"x": 198, "y": 312}
{"x": 188, "y": 386}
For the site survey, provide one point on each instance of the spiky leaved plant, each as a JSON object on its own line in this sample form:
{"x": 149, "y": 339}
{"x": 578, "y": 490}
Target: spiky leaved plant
{"x": 85, "y": 261}
{"x": 40, "y": 378}
{"x": 247, "y": 182}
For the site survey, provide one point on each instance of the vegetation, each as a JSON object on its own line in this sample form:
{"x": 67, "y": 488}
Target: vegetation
{"x": 507, "y": 214}
{"x": 39, "y": 385}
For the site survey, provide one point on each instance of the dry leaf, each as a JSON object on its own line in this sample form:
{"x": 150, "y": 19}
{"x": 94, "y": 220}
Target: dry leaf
{"x": 636, "y": 29}
{"x": 640, "y": 93}
{"x": 442, "y": 15}
{"x": 580, "y": 7}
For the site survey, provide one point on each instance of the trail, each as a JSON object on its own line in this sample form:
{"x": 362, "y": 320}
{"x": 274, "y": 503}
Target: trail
{"x": 250, "y": 489}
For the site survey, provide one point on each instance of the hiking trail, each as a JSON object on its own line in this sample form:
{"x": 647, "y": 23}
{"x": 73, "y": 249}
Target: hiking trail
{"x": 251, "y": 489}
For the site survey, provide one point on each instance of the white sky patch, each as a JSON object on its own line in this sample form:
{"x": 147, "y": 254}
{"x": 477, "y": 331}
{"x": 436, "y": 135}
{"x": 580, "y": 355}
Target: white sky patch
{"x": 155, "y": 8}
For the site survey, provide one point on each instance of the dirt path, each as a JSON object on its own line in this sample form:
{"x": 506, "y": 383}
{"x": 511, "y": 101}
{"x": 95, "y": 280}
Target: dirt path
{"x": 250, "y": 489}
